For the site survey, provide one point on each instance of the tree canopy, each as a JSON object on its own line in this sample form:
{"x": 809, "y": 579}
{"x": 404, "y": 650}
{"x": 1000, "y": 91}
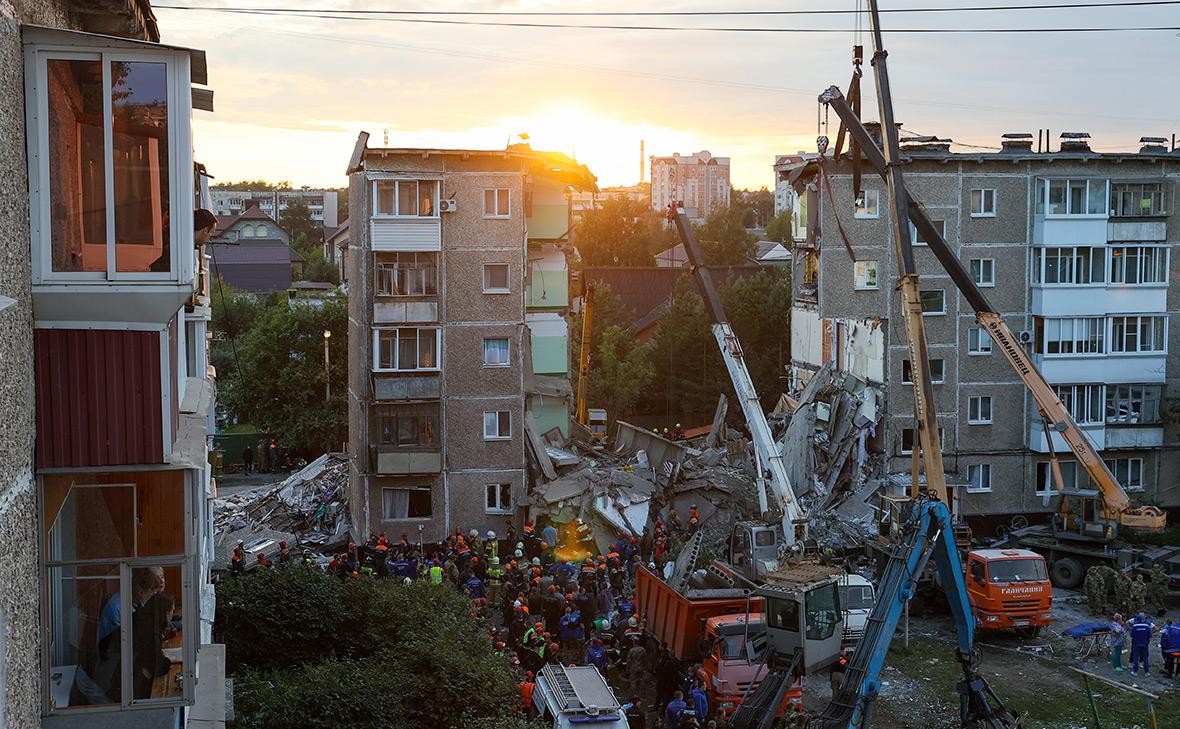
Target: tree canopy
{"x": 723, "y": 237}
{"x": 306, "y": 234}
{"x": 256, "y": 185}
{"x": 779, "y": 228}
{"x": 622, "y": 232}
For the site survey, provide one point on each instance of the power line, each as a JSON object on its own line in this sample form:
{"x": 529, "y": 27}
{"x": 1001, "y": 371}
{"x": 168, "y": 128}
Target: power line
{"x": 673, "y": 28}
{"x": 692, "y": 13}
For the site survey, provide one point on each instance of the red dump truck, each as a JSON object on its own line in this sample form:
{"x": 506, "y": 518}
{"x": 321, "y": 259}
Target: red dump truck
{"x": 707, "y": 626}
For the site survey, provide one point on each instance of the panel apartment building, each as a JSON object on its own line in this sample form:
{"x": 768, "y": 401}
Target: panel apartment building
{"x": 458, "y": 339}
{"x": 107, "y": 392}
{"x": 1071, "y": 246}
{"x": 699, "y": 180}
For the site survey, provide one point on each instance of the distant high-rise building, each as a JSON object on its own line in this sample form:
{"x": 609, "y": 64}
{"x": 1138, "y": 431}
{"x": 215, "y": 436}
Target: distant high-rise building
{"x": 699, "y": 180}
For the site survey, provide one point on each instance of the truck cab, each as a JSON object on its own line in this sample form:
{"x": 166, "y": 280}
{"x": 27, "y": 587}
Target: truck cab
{"x": 735, "y": 659}
{"x": 568, "y": 697}
{"x": 804, "y": 616}
{"x": 857, "y": 598}
{"x": 1009, "y": 589}
{"x": 754, "y": 549}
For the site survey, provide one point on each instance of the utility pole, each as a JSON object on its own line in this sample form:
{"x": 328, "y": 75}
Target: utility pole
{"x": 327, "y": 371}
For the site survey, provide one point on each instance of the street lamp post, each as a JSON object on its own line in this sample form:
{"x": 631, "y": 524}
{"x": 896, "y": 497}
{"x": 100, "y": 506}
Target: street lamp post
{"x": 327, "y": 372}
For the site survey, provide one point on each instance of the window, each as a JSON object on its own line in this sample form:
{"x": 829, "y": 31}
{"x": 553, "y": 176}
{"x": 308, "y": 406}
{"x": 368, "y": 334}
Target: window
{"x": 1074, "y": 197}
{"x": 495, "y": 203}
{"x": 1082, "y": 401}
{"x": 983, "y": 271}
{"x": 983, "y": 203}
{"x": 868, "y": 205}
{"x": 407, "y": 426}
{"x": 907, "y": 439}
{"x": 1068, "y": 265}
{"x": 107, "y": 196}
{"x": 933, "y": 302}
{"x": 495, "y": 352}
{"x": 1130, "y": 334}
{"x": 261, "y": 231}
{"x": 407, "y": 198}
{"x": 497, "y": 425}
{"x": 937, "y": 372}
{"x": 916, "y": 235}
{"x": 865, "y": 275}
{"x": 405, "y": 349}
{"x": 405, "y": 274}
{"x": 978, "y": 341}
{"x": 247, "y": 231}
{"x": 498, "y": 498}
{"x": 1133, "y": 404}
{"x": 495, "y": 278}
{"x": 1127, "y": 471}
{"x": 1136, "y": 199}
{"x": 823, "y": 612}
{"x": 1138, "y": 264}
{"x": 979, "y": 410}
{"x": 1083, "y": 335}
{"x": 411, "y": 503}
{"x": 1072, "y": 477}
{"x": 979, "y": 478}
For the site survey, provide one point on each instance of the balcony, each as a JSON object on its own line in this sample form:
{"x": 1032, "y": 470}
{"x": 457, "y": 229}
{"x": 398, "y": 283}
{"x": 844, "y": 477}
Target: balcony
{"x": 1134, "y": 436}
{"x": 406, "y": 234}
{"x": 396, "y": 461}
{"x": 1097, "y": 299}
{"x": 1146, "y": 367}
{"x": 405, "y": 215}
{"x": 1095, "y": 433}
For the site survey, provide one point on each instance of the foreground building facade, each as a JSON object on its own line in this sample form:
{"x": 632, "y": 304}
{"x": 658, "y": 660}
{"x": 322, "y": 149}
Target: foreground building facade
{"x": 458, "y": 339}
{"x": 1073, "y": 247}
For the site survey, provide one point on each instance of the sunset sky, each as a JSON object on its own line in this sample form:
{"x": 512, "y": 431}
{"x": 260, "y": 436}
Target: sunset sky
{"x": 293, "y": 92}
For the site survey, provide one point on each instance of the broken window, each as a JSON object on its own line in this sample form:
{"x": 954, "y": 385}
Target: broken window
{"x": 868, "y": 205}
{"x": 406, "y": 426}
{"x": 1133, "y": 404}
{"x": 907, "y": 439}
{"x": 937, "y": 372}
{"x": 498, "y": 498}
{"x": 497, "y": 425}
{"x": 406, "y": 503}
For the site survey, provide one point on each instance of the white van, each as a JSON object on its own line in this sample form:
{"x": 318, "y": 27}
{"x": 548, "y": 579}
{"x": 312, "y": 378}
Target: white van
{"x": 857, "y": 598}
{"x": 575, "y": 697}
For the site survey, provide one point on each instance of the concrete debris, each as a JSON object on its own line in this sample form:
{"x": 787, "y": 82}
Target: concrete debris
{"x": 308, "y": 509}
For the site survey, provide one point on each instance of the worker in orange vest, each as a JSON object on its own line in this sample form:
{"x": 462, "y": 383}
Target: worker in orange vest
{"x": 526, "y": 691}
{"x": 837, "y": 674}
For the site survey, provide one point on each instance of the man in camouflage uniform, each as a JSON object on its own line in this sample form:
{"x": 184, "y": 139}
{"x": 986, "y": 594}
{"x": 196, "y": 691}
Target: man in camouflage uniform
{"x": 1109, "y": 580}
{"x": 1095, "y": 590}
{"x": 1157, "y": 591}
{"x": 1122, "y": 593}
{"x": 1138, "y": 595}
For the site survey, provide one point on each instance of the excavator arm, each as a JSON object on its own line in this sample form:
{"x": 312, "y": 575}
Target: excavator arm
{"x": 1116, "y": 503}
{"x": 765, "y": 448}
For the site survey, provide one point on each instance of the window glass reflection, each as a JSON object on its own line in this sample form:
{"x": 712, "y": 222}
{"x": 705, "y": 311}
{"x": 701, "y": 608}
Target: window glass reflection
{"x": 139, "y": 104}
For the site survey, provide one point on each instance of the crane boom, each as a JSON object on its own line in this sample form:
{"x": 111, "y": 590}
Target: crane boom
{"x": 1116, "y": 503}
{"x": 765, "y": 448}
{"x": 584, "y": 353}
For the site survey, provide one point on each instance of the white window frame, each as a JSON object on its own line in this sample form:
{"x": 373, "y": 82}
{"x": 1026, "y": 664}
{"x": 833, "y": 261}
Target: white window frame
{"x": 496, "y": 435}
{"x": 1079, "y": 330}
{"x": 987, "y": 202}
{"x": 942, "y": 293}
{"x": 1074, "y": 264}
{"x": 979, "y": 478}
{"x": 397, "y": 343}
{"x": 1093, "y": 185}
{"x": 497, "y": 191}
{"x": 1157, "y": 321}
{"x": 914, "y": 434}
{"x": 507, "y": 352}
{"x": 939, "y": 379}
{"x": 976, "y": 404}
{"x": 180, "y": 177}
{"x": 501, "y": 489}
{"x": 1125, "y": 396}
{"x": 982, "y": 347}
{"x": 1133, "y": 464}
{"x": 1073, "y": 477}
{"x": 420, "y": 264}
{"x": 1158, "y": 272}
{"x": 916, "y": 235}
{"x": 861, "y": 280}
{"x": 986, "y": 265}
{"x": 867, "y": 211}
{"x": 488, "y": 289}
{"x": 1082, "y": 401}
{"x": 397, "y": 192}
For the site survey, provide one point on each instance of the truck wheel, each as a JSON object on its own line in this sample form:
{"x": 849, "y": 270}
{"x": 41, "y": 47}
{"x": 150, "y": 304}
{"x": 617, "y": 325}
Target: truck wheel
{"x": 1066, "y": 572}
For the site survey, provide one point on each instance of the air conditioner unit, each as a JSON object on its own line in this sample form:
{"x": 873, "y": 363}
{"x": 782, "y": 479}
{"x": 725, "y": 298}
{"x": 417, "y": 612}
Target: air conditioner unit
{"x": 1026, "y": 337}
{"x": 447, "y": 206}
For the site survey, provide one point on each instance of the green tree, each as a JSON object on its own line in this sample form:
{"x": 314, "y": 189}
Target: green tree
{"x": 623, "y": 232}
{"x": 609, "y": 311}
{"x": 255, "y": 185}
{"x": 233, "y": 313}
{"x": 779, "y": 228}
{"x": 358, "y": 653}
{"x": 759, "y": 206}
{"x": 306, "y": 234}
{"x": 723, "y": 237}
{"x": 280, "y": 384}
{"x": 621, "y": 371}
{"x": 318, "y": 268}
{"x": 759, "y": 309}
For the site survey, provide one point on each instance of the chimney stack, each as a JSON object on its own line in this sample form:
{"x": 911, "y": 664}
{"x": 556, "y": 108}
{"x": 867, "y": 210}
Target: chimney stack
{"x": 1075, "y": 142}
{"x": 1016, "y": 142}
{"x": 641, "y": 160}
{"x": 1153, "y": 145}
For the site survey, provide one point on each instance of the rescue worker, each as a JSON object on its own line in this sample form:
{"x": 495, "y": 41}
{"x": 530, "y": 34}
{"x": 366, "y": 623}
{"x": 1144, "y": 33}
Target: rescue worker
{"x": 526, "y": 691}
{"x": 678, "y": 434}
{"x": 1169, "y": 647}
{"x": 674, "y": 710}
{"x": 1095, "y": 597}
{"x": 436, "y": 573}
{"x": 1157, "y": 589}
{"x": 1138, "y": 592}
{"x": 596, "y": 655}
{"x": 700, "y": 699}
{"x": 263, "y": 562}
{"x": 636, "y": 659}
{"x": 236, "y": 568}
{"x": 1141, "y": 631}
{"x": 836, "y": 677}
{"x": 495, "y": 577}
{"x": 694, "y": 519}
{"x": 284, "y": 554}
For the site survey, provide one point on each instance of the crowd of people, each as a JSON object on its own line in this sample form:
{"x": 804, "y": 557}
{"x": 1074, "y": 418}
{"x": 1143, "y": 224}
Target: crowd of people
{"x": 546, "y": 596}
{"x": 1139, "y": 632}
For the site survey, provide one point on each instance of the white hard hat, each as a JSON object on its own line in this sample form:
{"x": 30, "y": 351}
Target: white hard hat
{"x": 633, "y": 622}
{"x": 491, "y": 535}
{"x": 537, "y": 561}
{"x": 518, "y": 554}
{"x": 474, "y": 532}
{"x": 407, "y": 581}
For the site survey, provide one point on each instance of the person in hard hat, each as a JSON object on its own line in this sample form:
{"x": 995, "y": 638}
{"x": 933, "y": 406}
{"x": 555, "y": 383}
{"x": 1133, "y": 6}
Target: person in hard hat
{"x": 678, "y": 432}
{"x": 236, "y": 568}
{"x": 694, "y": 519}
{"x": 263, "y": 562}
{"x": 284, "y": 554}
{"x": 836, "y": 677}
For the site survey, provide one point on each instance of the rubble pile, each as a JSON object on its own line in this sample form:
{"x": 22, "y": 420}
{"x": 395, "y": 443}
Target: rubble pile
{"x": 309, "y": 508}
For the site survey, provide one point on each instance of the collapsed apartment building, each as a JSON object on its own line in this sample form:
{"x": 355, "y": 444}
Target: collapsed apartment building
{"x": 1073, "y": 246}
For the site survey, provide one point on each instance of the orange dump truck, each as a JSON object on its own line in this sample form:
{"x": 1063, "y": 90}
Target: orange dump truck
{"x": 1009, "y": 590}
{"x": 706, "y": 626}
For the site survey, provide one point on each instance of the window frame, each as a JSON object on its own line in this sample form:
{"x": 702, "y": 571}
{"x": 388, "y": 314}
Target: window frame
{"x": 1112, "y": 464}
{"x": 179, "y": 173}
{"x": 1082, "y": 399}
{"x": 380, "y": 267}
{"x": 980, "y": 280}
{"x": 1149, "y": 396}
{"x": 403, "y": 410}
{"x": 507, "y": 353}
{"x": 982, "y": 338}
{"x": 396, "y": 182}
{"x": 907, "y": 373}
{"x": 916, "y": 235}
{"x": 913, "y": 433}
{"x": 975, "y": 408}
{"x": 1160, "y": 252}
{"x": 507, "y": 279}
{"x": 1099, "y": 324}
{"x": 941, "y": 311}
{"x": 1045, "y": 185}
{"x": 377, "y": 330}
{"x": 876, "y": 207}
{"x": 1117, "y": 210}
{"x": 983, "y": 211}
{"x": 502, "y": 490}
{"x": 1138, "y": 319}
{"x": 499, "y": 422}
{"x": 426, "y": 489}
{"x": 985, "y": 484}
{"x": 496, "y": 191}
{"x": 861, "y": 279}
